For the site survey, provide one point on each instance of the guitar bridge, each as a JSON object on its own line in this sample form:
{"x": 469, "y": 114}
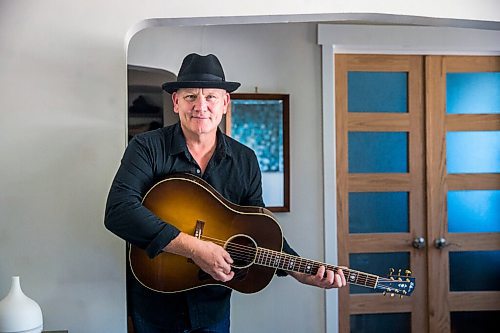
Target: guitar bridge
{"x": 198, "y": 230}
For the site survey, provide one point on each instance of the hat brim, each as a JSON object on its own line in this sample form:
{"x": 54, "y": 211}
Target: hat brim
{"x": 170, "y": 87}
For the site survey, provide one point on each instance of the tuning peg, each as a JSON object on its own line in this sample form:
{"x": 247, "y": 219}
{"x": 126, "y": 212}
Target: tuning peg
{"x": 391, "y": 271}
{"x": 392, "y": 295}
{"x": 399, "y": 272}
{"x": 407, "y": 272}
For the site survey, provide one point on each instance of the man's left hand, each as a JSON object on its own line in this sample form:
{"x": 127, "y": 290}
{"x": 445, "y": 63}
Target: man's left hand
{"x": 324, "y": 278}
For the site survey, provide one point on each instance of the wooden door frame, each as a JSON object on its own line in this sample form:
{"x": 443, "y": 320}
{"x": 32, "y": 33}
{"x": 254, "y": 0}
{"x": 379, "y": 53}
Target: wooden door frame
{"x": 366, "y": 39}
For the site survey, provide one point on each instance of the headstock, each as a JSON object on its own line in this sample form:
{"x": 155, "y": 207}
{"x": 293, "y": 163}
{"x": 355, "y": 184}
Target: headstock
{"x": 401, "y": 284}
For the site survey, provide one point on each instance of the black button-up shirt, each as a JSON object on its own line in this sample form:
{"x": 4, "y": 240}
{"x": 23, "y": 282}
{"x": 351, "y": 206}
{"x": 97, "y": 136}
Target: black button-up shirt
{"x": 233, "y": 171}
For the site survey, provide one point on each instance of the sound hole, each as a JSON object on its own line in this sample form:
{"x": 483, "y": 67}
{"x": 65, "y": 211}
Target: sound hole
{"x": 242, "y": 249}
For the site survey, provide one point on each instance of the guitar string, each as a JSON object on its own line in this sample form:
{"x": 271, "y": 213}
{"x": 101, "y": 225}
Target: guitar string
{"x": 369, "y": 279}
{"x": 302, "y": 265}
{"x": 244, "y": 254}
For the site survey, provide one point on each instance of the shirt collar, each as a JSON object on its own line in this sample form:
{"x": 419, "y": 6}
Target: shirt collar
{"x": 223, "y": 148}
{"x": 178, "y": 143}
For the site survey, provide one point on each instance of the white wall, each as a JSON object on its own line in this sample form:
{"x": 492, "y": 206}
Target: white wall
{"x": 276, "y": 58}
{"x": 63, "y": 131}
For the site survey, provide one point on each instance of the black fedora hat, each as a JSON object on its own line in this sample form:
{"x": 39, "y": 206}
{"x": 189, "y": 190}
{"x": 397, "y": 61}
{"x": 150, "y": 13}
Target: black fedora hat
{"x": 199, "y": 71}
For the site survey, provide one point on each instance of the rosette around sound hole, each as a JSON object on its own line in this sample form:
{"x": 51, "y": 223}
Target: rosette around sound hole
{"x": 243, "y": 250}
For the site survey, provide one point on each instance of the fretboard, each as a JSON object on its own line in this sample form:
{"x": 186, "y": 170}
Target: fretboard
{"x": 293, "y": 263}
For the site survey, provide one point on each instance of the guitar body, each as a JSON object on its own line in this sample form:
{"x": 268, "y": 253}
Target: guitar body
{"x": 194, "y": 207}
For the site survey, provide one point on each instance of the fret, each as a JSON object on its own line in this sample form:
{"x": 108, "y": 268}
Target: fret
{"x": 277, "y": 260}
{"x": 274, "y": 259}
{"x": 352, "y": 276}
{"x": 308, "y": 267}
{"x": 298, "y": 265}
{"x": 361, "y": 279}
{"x": 301, "y": 265}
{"x": 260, "y": 257}
{"x": 267, "y": 259}
{"x": 263, "y": 257}
{"x": 288, "y": 262}
{"x": 330, "y": 268}
{"x": 270, "y": 258}
{"x": 291, "y": 264}
{"x": 375, "y": 282}
{"x": 284, "y": 262}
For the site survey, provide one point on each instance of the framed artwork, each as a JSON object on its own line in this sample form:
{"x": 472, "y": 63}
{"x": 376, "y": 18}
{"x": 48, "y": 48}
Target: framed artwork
{"x": 261, "y": 122}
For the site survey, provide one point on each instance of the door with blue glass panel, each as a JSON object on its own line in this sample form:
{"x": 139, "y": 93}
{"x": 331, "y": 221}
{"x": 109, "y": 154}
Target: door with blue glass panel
{"x": 463, "y": 179}
{"x": 380, "y": 178}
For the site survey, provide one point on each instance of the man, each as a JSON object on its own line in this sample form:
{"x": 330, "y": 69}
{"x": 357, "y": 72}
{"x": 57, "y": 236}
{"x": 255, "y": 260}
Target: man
{"x": 194, "y": 145}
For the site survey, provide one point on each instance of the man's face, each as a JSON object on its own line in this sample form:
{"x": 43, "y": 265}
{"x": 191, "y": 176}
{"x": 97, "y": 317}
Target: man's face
{"x": 200, "y": 109}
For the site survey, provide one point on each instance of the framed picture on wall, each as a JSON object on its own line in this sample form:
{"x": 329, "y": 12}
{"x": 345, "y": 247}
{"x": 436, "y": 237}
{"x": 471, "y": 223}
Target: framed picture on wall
{"x": 261, "y": 122}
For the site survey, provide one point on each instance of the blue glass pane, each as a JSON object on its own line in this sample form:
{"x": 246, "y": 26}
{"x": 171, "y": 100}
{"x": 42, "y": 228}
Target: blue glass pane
{"x": 378, "y": 212}
{"x": 381, "y": 322}
{"x": 373, "y": 152}
{"x": 258, "y": 124}
{"x": 475, "y": 271}
{"x": 474, "y": 321}
{"x": 474, "y": 211}
{"x": 473, "y": 93}
{"x": 473, "y": 152}
{"x": 377, "y": 263}
{"x": 377, "y": 91}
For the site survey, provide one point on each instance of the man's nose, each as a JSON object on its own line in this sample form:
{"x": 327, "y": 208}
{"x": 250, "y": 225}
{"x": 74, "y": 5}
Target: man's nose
{"x": 200, "y": 103}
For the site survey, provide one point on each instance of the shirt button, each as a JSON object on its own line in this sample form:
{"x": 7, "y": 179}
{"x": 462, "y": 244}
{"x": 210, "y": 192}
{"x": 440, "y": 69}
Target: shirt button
{"x": 198, "y": 170}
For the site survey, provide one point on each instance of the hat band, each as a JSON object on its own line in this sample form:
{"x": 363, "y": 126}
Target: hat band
{"x": 199, "y": 77}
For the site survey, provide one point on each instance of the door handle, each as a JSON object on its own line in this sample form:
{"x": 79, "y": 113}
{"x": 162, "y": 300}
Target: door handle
{"x": 440, "y": 243}
{"x": 419, "y": 242}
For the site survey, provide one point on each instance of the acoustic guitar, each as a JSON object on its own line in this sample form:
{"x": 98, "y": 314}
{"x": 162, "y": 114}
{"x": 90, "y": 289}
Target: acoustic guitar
{"x": 251, "y": 235}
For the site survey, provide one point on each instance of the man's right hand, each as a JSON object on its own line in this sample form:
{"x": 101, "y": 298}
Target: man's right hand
{"x": 211, "y": 258}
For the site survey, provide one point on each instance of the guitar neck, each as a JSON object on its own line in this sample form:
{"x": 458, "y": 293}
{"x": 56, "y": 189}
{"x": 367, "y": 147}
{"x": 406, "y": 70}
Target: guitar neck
{"x": 291, "y": 263}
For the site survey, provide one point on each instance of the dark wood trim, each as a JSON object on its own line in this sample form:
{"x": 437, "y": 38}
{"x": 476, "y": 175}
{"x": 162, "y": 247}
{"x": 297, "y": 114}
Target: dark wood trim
{"x": 478, "y": 300}
{"x": 385, "y": 304}
{"x": 285, "y": 98}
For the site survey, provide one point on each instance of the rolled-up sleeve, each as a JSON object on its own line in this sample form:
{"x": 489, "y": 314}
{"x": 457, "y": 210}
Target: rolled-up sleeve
{"x": 125, "y": 215}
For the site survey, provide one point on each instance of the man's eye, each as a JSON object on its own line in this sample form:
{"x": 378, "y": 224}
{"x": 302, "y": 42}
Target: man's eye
{"x": 190, "y": 97}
